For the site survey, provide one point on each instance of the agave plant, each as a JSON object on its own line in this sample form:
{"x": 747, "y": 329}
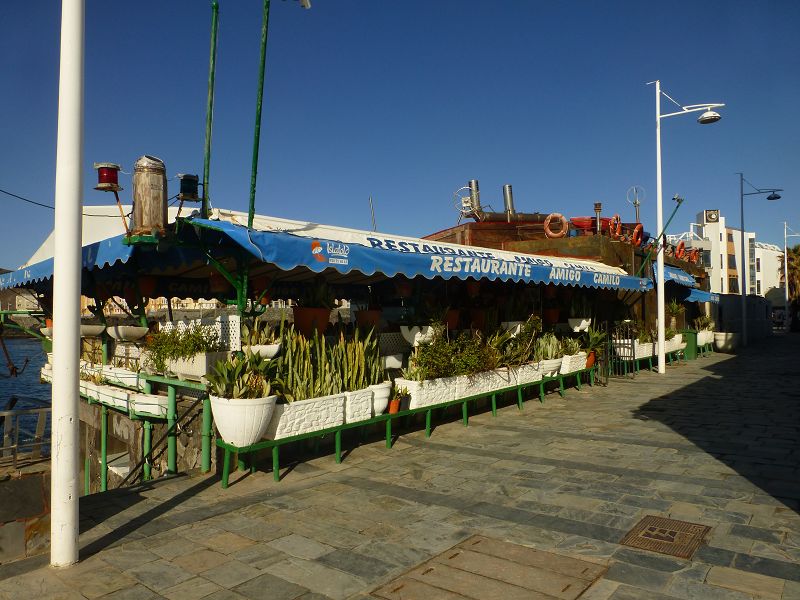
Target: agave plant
{"x": 547, "y": 347}
{"x": 242, "y": 376}
{"x": 570, "y": 346}
{"x": 259, "y": 332}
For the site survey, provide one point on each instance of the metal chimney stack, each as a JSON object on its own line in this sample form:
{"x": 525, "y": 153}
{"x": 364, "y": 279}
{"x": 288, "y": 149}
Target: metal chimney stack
{"x": 474, "y": 195}
{"x": 508, "y": 202}
{"x": 598, "y": 208}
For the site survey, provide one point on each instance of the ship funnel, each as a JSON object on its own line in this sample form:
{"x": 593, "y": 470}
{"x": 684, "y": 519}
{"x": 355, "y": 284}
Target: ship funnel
{"x": 508, "y": 202}
{"x": 474, "y": 195}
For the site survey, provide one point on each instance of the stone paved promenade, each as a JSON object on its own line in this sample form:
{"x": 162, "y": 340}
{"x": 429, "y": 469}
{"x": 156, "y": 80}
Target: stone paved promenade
{"x": 715, "y": 441}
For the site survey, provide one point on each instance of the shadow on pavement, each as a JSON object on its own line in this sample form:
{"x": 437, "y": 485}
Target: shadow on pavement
{"x": 745, "y": 413}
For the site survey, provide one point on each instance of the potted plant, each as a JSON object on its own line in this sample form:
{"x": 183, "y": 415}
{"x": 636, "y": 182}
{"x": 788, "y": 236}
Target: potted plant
{"x": 547, "y": 350}
{"x": 241, "y": 399}
{"x": 314, "y": 311}
{"x": 674, "y": 309}
{"x": 400, "y": 398}
{"x": 371, "y": 316}
{"x": 580, "y": 312}
{"x": 594, "y": 343}
{"x": 261, "y": 337}
{"x": 190, "y": 353}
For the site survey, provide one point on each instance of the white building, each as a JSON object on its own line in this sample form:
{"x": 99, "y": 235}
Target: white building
{"x": 720, "y": 248}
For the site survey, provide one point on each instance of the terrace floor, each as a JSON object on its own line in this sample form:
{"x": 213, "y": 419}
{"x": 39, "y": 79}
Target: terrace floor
{"x": 509, "y": 507}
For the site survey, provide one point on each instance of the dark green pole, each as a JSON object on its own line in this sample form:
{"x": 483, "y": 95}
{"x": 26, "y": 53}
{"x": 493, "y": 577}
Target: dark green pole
{"x": 210, "y": 105}
{"x": 259, "y": 97}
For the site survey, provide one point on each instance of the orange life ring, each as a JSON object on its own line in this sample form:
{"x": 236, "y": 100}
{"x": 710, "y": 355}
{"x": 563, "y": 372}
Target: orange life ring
{"x": 564, "y": 226}
{"x": 680, "y": 251}
{"x": 615, "y": 227}
{"x": 694, "y": 255}
{"x": 637, "y": 235}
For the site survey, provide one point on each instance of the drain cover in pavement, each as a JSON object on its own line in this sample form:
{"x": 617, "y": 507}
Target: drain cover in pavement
{"x": 666, "y": 536}
{"x": 480, "y": 567}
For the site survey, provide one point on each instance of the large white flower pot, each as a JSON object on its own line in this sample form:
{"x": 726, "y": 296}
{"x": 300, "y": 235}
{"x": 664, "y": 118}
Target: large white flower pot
{"x": 242, "y": 421}
{"x": 357, "y": 405}
{"x": 579, "y": 323}
{"x": 643, "y": 349}
{"x": 417, "y": 335}
{"x": 305, "y": 416}
{"x": 380, "y": 397}
{"x": 265, "y": 350}
{"x": 550, "y": 367}
{"x": 196, "y": 367}
{"x": 429, "y": 391}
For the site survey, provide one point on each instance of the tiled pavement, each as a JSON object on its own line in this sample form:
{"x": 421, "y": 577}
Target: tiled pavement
{"x": 714, "y": 441}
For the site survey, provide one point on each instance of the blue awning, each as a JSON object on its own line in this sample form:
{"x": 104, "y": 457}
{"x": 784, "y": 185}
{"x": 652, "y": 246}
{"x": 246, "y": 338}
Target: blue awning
{"x": 677, "y": 275}
{"x": 696, "y": 295}
{"x": 93, "y": 256}
{"x": 371, "y": 253}
{"x": 293, "y": 245}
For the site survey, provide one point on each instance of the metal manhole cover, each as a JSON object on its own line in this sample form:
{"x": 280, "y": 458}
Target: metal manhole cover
{"x": 666, "y": 536}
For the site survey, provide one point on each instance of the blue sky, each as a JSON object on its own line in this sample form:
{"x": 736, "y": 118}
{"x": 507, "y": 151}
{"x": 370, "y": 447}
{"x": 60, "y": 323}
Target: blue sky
{"x": 406, "y": 101}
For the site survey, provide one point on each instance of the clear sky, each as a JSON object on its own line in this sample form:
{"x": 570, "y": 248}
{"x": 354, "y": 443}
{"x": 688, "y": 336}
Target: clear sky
{"x": 406, "y": 101}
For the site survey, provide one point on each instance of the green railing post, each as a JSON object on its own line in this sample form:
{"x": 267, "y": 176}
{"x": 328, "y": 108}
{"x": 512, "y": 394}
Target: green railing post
{"x": 209, "y": 106}
{"x": 172, "y": 420}
{"x": 148, "y": 449}
{"x": 259, "y": 99}
{"x": 103, "y": 448}
{"x": 206, "y": 441}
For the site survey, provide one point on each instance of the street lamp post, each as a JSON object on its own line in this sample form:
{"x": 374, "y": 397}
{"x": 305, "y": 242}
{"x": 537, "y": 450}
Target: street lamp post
{"x": 773, "y": 195}
{"x": 708, "y": 116}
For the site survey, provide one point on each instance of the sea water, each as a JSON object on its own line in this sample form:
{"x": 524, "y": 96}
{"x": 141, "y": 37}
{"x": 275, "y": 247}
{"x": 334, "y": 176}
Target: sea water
{"x": 25, "y": 387}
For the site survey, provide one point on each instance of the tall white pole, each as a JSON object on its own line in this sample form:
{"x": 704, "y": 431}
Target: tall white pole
{"x": 743, "y": 269}
{"x": 662, "y": 362}
{"x": 64, "y": 489}
{"x": 786, "y": 311}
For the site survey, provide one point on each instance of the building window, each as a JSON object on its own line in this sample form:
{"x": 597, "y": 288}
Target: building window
{"x": 758, "y": 265}
{"x": 733, "y": 285}
{"x": 758, "y": 287}
{"x": 720, "y": 236}
{"x": 721, "y": 261}
{"x": 722, "y": 285}
{"x": 706, "y": 258}
{"x": 731, "y": 261}
{"x": 730, "y": 237}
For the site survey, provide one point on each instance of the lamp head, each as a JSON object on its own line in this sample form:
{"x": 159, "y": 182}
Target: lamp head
{"x": 709, "y": 116}
{"x": 774, "y": 196}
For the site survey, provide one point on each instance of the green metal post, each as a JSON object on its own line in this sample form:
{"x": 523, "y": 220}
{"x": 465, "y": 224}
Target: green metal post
{"x": 276, "y": 464}
{"x": 103, "y": 448}
{"x": 259, "y": 97}
{"x": 389, "y": 432}
{"x": 172, "y": 434}
{"x": 87, "y": 477}
{"x": 206, "y": 441}
{"x": 428, "y": 423}
{"x": 210, "y": 105}
{"x": 494, "y": 405}
{"x": 464, "y": 414}
{"x": 226, "y": 468}
{"x": 338, "y": 442}
{"x": 148, "y": 449}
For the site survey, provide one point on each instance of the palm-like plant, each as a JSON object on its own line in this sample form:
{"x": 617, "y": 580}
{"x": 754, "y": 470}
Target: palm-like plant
{"x": 793, "y": 282}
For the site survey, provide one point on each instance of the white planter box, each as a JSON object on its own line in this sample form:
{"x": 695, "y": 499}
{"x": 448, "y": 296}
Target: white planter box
{"x": 550, "y": 367}
{"x": 380, "y": 397}
{"x": 112, "y": 396}
{"x": 527, "y": 373}
{"x": 304, "y": 416}
{"x": 573, "y": 362}
{"x": 726, "y": 342}
{"x": 429, "y": 392}
{"x": 485, "y": 382}
{"x": 643, "y": 349}
{"x": 121, "y": 376}
{"x": 149, "y": 404}
{"x": 195, "y": 368}
{"x": 240, "y": 421}
{"x": 704, "y": 337}
{"x": 357, "y": 405}
{"x": 392, "y": 361}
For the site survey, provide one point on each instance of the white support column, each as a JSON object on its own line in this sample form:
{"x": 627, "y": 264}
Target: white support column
{"x": 662, "y": 361}
{"x": 65, "y": 486}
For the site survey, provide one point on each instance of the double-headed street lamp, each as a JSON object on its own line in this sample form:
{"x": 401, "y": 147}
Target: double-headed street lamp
{"x": 773, "y": 195}
{"x": 708, "y": 116}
